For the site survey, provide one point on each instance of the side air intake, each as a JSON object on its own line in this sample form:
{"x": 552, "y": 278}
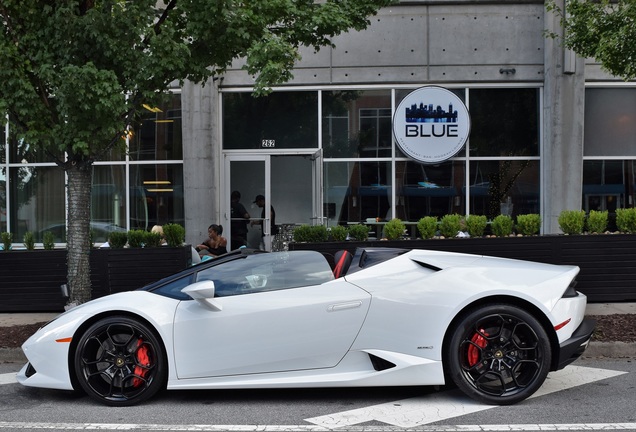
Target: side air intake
{"x": 380, "y": 364}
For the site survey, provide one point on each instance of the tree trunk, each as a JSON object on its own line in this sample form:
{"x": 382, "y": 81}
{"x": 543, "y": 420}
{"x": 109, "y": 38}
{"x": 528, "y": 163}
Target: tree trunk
{"x": 78, "y": 233}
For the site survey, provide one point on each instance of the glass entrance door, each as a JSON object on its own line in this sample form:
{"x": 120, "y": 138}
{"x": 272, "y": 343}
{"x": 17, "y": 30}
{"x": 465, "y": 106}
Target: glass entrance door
{"x": 288, "y": 184}
{"x": 248, "y": 178}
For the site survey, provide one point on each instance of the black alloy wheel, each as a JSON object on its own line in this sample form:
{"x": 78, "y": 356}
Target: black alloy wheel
{"x": 119, "y": 361}
{"x": 499, "y": 354}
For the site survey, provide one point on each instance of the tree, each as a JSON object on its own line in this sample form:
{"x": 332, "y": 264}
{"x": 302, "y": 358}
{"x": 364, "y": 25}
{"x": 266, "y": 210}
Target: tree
{"x": 76, "y": 73}
{"x": 603, "y": 30}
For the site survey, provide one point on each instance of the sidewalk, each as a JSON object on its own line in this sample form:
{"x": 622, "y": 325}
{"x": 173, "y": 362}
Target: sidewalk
{"x": 596, "y": 349}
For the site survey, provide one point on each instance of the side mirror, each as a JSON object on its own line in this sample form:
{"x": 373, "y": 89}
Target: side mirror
{"x": 203, "y": 292}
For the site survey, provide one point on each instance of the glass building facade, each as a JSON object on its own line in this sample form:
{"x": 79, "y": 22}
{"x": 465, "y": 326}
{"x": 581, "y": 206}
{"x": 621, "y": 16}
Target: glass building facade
{"x": 132, "y": 189}
{"x": 366, "y": 176}
{"x": 333, "y": 150}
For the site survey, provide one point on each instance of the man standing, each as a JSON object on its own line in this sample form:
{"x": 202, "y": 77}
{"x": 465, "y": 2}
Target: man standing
{"x": 238, "y": 225}
{"x": 273, "y": 229}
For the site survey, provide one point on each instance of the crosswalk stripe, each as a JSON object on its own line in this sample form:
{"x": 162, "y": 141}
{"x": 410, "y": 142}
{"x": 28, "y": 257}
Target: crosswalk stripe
{"x": 413, "y": 412}
{"x": 7, "y": 378}
{"x": 313, "y": 428}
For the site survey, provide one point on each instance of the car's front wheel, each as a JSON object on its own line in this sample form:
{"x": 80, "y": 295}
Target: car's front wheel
{"x": 120, "y": 361}
{"x": 498, "y": 354}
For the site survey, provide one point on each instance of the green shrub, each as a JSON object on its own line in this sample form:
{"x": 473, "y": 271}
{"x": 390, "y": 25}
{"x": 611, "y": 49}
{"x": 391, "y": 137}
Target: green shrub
{"x": 29, "y": 240}
{"x": 450, "y": 225}
{"x": 394, "y": 229}
{"x": 359, "y": 232}
{"x": 151, "y": 239}
{"x": 339, "y": 233}
{"x": 48, "y": 240}
{"x": 136, "y": 238}
{"x": 626, "y": 220}
{"x": 476, "y": 225}
{"x": 319, "y": 233}
{"x": 427, "y": 226}
{"x": 597, "y": 221}
{"x": 174, "y": 234}
{"x": 528, "y": 224}
{"x": 572, "y": 221}
{"x": 7, "y": 239}
{"x": 311, "y": 233}
{"x": 302, "y": 233}
{"x": 118, "y": 239}
{"x": 502, "y": 226}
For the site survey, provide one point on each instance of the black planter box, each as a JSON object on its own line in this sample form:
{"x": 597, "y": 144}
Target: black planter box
{"x": 30, "y": 280}
{"x": 607, "y": 262}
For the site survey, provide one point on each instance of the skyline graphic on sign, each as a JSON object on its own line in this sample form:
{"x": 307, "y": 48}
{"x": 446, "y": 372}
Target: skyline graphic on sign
{"x": 426, "y": 114}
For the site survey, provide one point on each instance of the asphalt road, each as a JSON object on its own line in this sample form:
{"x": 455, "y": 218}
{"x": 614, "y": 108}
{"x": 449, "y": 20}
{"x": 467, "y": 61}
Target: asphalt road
{"x": 592, "y": 394}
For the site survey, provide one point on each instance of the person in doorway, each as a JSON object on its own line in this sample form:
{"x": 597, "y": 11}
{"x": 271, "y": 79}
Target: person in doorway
{"x": 238, "y": 224}
{"x": 215, "y": 244}
{"x": 273, "y": 229}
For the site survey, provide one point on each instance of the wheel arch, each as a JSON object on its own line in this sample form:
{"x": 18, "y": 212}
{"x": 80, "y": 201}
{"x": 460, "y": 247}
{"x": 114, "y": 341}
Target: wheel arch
{"x": 92, "y": 320}
{"x": 507, "y": 300}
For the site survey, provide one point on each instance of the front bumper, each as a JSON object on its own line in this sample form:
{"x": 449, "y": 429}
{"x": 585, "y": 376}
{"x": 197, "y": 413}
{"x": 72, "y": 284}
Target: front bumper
{"x": 572, "y": 348}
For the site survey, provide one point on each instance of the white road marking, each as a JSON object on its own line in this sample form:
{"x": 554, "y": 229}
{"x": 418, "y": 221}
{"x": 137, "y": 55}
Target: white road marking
{"x": 312, "y": 428}
{"x": 413, "y": 412}
{"x": 8, "y": 378}
{"x": 407, "y": 413}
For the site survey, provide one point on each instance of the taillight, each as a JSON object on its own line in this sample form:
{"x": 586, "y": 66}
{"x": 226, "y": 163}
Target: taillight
{"x": 571, "y": 291}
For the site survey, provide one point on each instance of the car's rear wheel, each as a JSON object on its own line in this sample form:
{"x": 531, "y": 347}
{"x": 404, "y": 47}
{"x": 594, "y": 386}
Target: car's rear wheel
{"x": 498, "y": 354}
{"x": 120, "y": 361}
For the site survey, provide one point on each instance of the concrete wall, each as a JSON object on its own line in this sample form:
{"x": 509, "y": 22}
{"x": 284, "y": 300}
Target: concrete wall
{"x": 201, "y": 160}
{"x": 464, "y": 42}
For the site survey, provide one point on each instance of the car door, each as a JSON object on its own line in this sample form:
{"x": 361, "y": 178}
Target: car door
{"x": 289, "y": 314}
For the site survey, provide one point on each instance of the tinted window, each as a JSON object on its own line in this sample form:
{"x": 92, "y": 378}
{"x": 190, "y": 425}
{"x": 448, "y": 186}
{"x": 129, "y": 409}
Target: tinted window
{"x": 173, "y": 289}
{"x": 268, "y": 272}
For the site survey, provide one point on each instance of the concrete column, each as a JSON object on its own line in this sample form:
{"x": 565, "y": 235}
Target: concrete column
{"x": 201, "y": 169}
{"x": 563, "y": 111}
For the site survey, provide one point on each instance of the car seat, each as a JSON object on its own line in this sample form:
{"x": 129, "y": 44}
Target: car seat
{"x": 343, "y": 261}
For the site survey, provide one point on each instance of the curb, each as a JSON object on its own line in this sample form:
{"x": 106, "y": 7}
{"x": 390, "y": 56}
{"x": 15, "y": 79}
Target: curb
{"x": 611, "y": 350}
{"x": 594, "y": 350}
{"x": 12, "y": 355}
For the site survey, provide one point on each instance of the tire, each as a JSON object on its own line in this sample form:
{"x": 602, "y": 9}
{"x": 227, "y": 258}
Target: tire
{"x": 120, "y": 361}
{"x": 498, "y": 354}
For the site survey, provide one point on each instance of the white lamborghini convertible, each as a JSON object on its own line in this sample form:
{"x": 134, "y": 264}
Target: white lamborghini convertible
{"x": 380, "y": 317}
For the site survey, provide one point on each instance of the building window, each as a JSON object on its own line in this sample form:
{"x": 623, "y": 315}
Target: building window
{"x": 36, "y": 201}
{"x": 609, "y": 174}
{"x": 356, "y": 124}
{"x": 357, "y": 191}
{"x": 156, "y": 195}
{"x": 281, "y": 120}
{"x": 158, "y": 135}
{"x": 504, "y": 122}
{"x": 430, "y": 190}
{"x": 610, "y": 122}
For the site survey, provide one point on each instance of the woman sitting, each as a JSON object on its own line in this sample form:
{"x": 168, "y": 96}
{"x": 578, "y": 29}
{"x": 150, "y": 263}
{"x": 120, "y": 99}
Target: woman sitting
{"x": 215, "y": 244}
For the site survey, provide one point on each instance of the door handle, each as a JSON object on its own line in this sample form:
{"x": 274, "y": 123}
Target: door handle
{"x": 343, "y": 306}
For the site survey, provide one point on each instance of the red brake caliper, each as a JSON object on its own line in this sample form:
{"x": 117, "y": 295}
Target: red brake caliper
{"x": 473, "y": 351}
{"x": 143, "y": 360}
